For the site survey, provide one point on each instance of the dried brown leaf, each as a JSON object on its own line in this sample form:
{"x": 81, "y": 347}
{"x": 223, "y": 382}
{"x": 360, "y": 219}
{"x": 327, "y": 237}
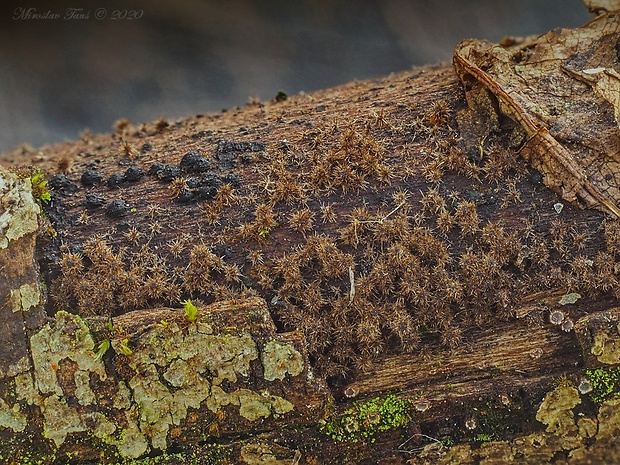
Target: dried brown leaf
{"x": 563, "y": 89}
{"x": 602, "y": 5}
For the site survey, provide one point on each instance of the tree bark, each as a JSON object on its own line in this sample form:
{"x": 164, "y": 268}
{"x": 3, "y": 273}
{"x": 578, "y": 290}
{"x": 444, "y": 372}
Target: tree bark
{"x": 350, "y": 276}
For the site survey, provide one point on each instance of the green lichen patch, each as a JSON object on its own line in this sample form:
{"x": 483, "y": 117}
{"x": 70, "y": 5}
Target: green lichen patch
{"x": 364, "y": 420}
{"x": 606, "y": 348}
{"x": 556, "y": 409}
{"x": 253, "y": 406}
{"x": 27, "y": 296}
{"x": 21, "y": 213}
{"x": 60, "y": 419}
{"x": 256, "y": 453}
{"x": 67, "y": 337}
{"x": 138, "y": 397}
{"x": 178, "y": 366}
{"x": 280, "y": 359}
{"x": 12, "y": 417}
{"x": 599, "y": 337}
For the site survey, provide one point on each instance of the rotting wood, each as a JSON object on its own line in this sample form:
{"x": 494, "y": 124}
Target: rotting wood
{"x": 461, "y": 262}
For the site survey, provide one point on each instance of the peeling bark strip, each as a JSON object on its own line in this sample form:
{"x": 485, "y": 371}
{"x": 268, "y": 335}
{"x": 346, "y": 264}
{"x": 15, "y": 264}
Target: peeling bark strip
{"x": 20, "y": 292}
{"x": 560, "y": 88}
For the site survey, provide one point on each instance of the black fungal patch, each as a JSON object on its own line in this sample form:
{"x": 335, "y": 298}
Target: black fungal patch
{"x": 117, "y": 208}
{"x": 155, "y": 168}
{"x": 94, "y": 201}
{"x": 228, "y": 151}
{"x": 165, "y": 173}
{"x": 133, "y": 173}
{"x": 114, "y": 181}
{"x": 232, "y": 179}
{"x": 91, "y": 177}
{"x": 228, "y": 147}
{"x": 202, "y": 135}
{"x": 203, "y": 187}
{"x": 186, "y": 197}
{"x": 61, "y": 183}
{"x": 194, "y": 162}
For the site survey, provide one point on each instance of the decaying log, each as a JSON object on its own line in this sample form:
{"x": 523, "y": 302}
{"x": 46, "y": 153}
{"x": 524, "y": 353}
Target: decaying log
{"x": 367, "y": 274}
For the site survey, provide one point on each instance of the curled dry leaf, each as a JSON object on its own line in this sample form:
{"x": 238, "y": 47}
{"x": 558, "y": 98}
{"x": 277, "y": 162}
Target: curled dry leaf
{"x": 596, "y": 6}
{"x": 563, "y": 89}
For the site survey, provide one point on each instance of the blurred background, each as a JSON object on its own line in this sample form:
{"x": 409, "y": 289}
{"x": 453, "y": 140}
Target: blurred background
{"x": 72, "y": 65}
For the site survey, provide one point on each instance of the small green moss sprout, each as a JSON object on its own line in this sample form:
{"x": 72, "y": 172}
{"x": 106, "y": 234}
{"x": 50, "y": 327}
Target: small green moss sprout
{"x": 123, "y": 347}
{"x": 39, "y": 186}
{"x": 103, "y": 347}
{"x": 191, "y": 312}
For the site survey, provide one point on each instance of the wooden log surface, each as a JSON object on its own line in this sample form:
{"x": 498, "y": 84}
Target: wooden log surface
{"x": 373, "y": 284}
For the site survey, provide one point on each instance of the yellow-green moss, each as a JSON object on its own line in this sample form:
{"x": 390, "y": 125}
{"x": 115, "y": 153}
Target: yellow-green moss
{"x": 605, "y": 383}
{"x": 365, "y": 419}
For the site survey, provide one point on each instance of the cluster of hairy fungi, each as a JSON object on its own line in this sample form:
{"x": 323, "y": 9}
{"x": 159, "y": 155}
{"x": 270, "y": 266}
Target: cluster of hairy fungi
{"x": 365, "y": 253}
{"x": 101, "y": 280}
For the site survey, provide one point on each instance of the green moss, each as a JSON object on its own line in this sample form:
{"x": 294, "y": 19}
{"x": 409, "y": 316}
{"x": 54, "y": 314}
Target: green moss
{"x": 605, "y": 383}
{"x": 207, "y": 454}
{"x": 39, "y": 186}
{"x": 191, "y": 312}
{"x": 483, "y": 437}
{"x": 364, "y": 420}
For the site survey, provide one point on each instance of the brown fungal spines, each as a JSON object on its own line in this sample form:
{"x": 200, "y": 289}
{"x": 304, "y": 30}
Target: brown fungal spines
{"x": 427, "y": 243}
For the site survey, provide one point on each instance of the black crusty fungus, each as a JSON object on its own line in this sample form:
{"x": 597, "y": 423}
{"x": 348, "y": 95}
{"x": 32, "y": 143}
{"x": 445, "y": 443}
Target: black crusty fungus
{"x": 94, "y": 201}
{"x": 166, "y": 172}
{"x": 203, "y": 187}
{"x": 61, "y": 183}
{"x": 186, "y": 197}
{"x": 147, "y": 147}
{"x": 194, "y": 162}
{"x": 227, "y": 147}
{"x": 117, "y": 208}
{"x": 228, "y": 151}
{"x": 114, "y": 181}
{"x": 91, "y": 177}
{"x": 210, "y": 179}
{"x": 133, "y": 173}
{"x": 155, "y": 168}
{"x": 232, "y": 179}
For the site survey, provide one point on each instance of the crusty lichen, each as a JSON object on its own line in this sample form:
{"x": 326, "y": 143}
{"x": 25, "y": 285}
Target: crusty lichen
{"x": 566, "y": 434}
{"x": 556, "y": 412}
{"x": 67, "y": 338}
{"x": 19, "y": 218}
{"x": 264, "y": 454}
{"x": 176, "y": 366}
{"x": 12, "y": 417}
{"x": 60, "y": 419}
{"x": 27, "y": 296}
{"x": 280, "y": 359}
{"x": 606, "y": 348}
{"x": 195, "y": 363}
